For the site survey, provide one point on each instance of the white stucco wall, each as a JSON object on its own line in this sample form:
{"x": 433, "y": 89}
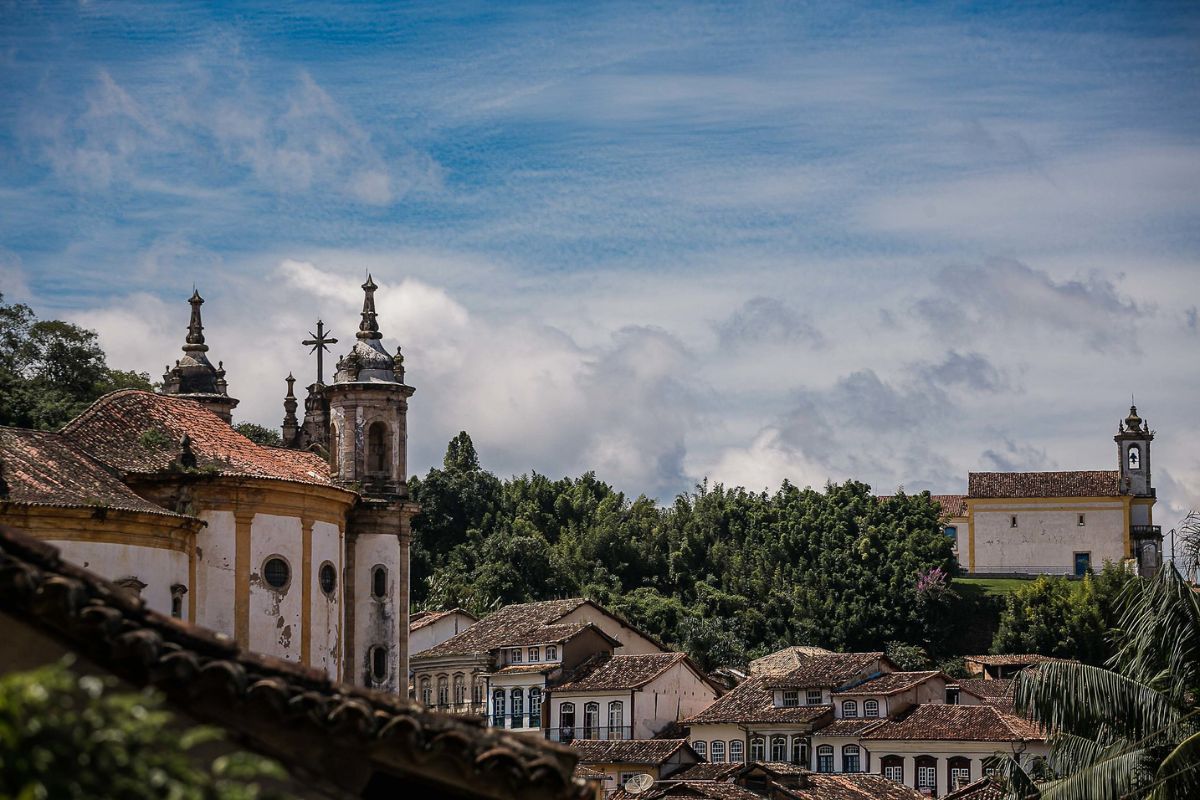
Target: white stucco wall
{"x": 632, "y": 642}
{"x": 673, "y": 696}
{"x": 275, "y": 613}
{"x": 1047, "y": 538}
{"x": 977, "y": 752}
{"x": 325, "y": 640}
{"x": 375, "y": 620}
{"x": 435, "y": 633}
{"x": 156, "y": 567}
{"x": 215, "y": 578}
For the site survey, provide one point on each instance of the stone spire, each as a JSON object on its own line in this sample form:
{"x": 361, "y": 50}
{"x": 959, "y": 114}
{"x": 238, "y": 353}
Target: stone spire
{"x": 194, "y": 376}
{"x": 290, "y": 424}
{"x": 369, "y": 327}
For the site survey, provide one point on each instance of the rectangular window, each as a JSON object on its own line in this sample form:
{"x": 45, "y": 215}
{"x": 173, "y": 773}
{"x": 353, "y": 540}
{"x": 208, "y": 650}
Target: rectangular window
{"x": 758, "y": 749}
{"x": 959, "y": 777}
{"x": 894, "y": 773}
{"x": 736, "y": 754}
{"x": 812, "y": 697}
{"x": 516, "y": 655}
{"x": 701, "y": 749}
{"x": 718, "y": 752}
{"x": 1083, "y": 564}
{"x": 1082, "y": 521}
{"x": 551, "y": 653}
{"x": 926, "y": 777}
{"x": 824, "y": 759}
{"x": 791, "y": 698}
{"x": 534, "y": 655}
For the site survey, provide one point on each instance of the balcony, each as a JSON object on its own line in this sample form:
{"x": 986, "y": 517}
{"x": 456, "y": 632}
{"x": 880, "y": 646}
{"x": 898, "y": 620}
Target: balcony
{"x": 569, "y": 734}
{"x": 1145, "y": 531}
{"x": 516, "y": 721}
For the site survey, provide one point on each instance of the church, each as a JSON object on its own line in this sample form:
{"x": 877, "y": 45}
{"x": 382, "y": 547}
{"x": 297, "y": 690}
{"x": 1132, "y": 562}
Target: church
{"x": 298, "y": 552}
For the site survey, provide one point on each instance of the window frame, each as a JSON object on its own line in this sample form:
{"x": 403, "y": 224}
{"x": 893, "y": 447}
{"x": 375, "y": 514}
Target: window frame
{"x": 791, "y": 698}
{"x": 499, "y": 706}
{"x": 737, "y": 751}
{"x": 716, "y": 751}
{"x": 701, "y": 748}
{"x": 779, "y": 748}
{"x": 850, "y": 709}
{"x": 758, "y": 748}
{"x": 852, "y": 751}
{"x": 287, "y": 565}
{"x": 825, "y": 759}
{"x": 808, "y": 697}
{"x": 377, "y": 571}
{"x": 870, "y": 708}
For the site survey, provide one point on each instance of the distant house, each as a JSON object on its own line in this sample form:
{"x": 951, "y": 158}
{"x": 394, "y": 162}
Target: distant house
{"x": 1005, "y": 665}
{"x": 429, "y": 628}
{"x": 996, "y": 692}
{"x": 620, "y": 759}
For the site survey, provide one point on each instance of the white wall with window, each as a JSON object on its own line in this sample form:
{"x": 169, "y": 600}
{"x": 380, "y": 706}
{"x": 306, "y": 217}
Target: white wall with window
{"x": 515, "y": 701}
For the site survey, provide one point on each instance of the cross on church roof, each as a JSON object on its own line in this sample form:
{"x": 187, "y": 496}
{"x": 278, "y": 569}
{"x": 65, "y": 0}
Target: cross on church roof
{"x": 320, "y": 345}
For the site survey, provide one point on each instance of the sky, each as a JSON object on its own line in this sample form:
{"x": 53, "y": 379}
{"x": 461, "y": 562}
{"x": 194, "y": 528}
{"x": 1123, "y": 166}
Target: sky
{"x": 664, "y": 242}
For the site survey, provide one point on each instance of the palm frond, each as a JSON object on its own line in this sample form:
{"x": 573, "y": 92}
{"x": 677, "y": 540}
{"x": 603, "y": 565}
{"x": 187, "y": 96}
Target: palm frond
{"x": 1113, "y": 777}
{"x": 1178, "y": 776}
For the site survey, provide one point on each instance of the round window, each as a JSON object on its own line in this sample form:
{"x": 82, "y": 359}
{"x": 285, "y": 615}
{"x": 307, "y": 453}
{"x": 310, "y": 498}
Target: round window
{"x": 328, "y": 578}
{"x": 276, "y": 572}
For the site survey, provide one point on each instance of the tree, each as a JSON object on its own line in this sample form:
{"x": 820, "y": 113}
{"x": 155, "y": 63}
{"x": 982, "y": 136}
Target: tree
{"x": 68, "y": 736}
{"x": 259, "y": 434}
{"x": 1131, "y": 729}
{"x": 52, "y": 370}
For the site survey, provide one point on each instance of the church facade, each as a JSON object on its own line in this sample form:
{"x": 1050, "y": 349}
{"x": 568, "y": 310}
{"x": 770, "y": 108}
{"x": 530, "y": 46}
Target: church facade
{"x": 299, "y": 552}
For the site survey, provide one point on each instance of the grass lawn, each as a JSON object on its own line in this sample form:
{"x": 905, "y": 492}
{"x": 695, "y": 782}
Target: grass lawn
{"x": 993, "y": 586}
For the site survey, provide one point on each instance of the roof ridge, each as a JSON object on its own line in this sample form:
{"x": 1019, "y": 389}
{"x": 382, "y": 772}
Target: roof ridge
{"x": 100, "y": 401}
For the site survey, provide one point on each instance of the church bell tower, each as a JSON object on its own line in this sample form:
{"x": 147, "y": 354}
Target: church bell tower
{"x": 1133, "y": 451}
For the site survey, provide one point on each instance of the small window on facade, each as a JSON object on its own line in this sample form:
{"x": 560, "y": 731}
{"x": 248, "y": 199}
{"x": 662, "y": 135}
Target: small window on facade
{"x": 566, "y": 721}
{"x": 850, "y": 759}
{"x": 178, "y": 590}
{"x": 379, "y": 663}
{"x": 460, "y": 689}
{"x": 736, "y": 751}
{"x": 701, "y": 749}
{"x": 328, "y": 578}
{"x": 718, "y": 752}
{"x": 812, "y": 697}
{"x": 926, "y": 778}
{"x": 893, "y": 768}
{"x": 591, "y": 720}
{"x": 825, "y": 758}
{"x": 779, "y": 748}
{"x": 426, "y": 692}
{"x": 1082, "y": 521}
{"x": 1135, "y": 458}
{"x": 477, "y": 692}
{"x": 379, "y": 578}
{"x": 515, "y": 655}
{"x": 1013, "y": 521}
{"x": 517, "y": 710}
{"x": 443, "y": 694}
{"x": 535, "y": 655}
{"x": 616, "y": 720}
{"x": 551, "y": 653}
{"x": 791, "y": 698}
{"x": 799, "y": 751}
{"x": 849, "y": 709}
{"x": 871, "y": 708}
{"x": 377, "y": 448}
{"x": 498, "y": 708}
{"x": 535, "y": 707}
{"x": 758, "y": 749}
{"x": 952, "y": 533}
{"x": 276, "y": 572}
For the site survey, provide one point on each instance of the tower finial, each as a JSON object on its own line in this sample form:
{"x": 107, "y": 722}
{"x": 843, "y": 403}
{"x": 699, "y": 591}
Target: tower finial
{"x": 195, "y": 336}
{"x": 369, "y": 327}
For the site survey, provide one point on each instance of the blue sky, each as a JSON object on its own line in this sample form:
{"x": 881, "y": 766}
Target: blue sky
{"x": 664, "y": 241}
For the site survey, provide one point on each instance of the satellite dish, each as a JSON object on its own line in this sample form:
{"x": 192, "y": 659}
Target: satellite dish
{"x": 639, "y": 783}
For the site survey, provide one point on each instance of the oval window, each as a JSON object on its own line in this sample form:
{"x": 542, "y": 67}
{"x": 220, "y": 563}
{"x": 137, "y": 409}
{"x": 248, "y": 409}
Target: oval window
{"x": 328, "y": 578}
{"x": 276, "y": 572}
{"x": 379, "y": 582}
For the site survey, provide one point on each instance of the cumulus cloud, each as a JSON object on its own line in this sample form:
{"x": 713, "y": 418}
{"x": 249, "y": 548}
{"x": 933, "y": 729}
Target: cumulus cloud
{"x": 1013, "y": 457}
{"x": 767, "y": 320}
{"x": 970, "y": 371}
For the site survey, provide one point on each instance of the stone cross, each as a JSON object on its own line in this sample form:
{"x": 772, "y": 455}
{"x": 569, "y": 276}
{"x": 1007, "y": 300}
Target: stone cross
{"x": 319, "y": 343}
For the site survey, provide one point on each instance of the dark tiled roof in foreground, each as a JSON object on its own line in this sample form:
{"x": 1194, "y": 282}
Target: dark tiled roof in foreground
{"x": 1010, "y": 659}
{"x": 43, "y": 468}
{"x": 502, "y": 627}
{"x": 701, "y": 790}
{"x": 139, "y": 432}
{"x": 753, "y": 702}
{"x": 858, "y": 786}
{"x": 825, "y": 670}
{"x": 627, "y": 751}
{"x": 939, "y": 722}
{"x": 848, "y": 727}
{"x": 982, "y": 789}
{"x": 1076, "y": 483}
{"x": 704, "y": 771}
{"x": 273, "y": 706}
{"x": 619, "y": 672}
{"x": 889, "y": 683}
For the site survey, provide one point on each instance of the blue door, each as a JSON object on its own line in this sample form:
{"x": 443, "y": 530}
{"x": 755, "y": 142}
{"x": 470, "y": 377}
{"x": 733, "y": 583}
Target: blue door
{"x": 1083, "y": 564}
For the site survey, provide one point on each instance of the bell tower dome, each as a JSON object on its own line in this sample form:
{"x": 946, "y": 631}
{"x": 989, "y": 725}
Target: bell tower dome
{"x": 1133, "y": 453}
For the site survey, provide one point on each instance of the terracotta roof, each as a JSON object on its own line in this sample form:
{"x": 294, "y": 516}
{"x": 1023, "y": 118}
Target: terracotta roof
{"x": 998, "y": 691}
{"x": 526, "y": 669}
{"x": 784, "y": 660}
{"x": 602, "y": 672}
{"x": 780, "y": 769}
{"x": 503, "y": 626}
{"x": 701, "y": 790}
{"x": 46, "y": 469}
{"x": 587, "y": 773}
{"x": 890, "y": 683}
{"x": 982, "y": 789}
{"x": 941, "y": 722}
{"x": 705, "y": 771}
{"x": 549, "y": 634}
{"x": 276, "y": 707}
{"x": 753, "y": 702}
{"x": 1076, "y": 483}
{"x": 856, "y": 786}
{"x": 847, "y": 727}
{"x": 423, "y": 618}
{"x": 1010, "y": 659}
{"x": 139, "y": 432}
{"x": 825, "y": 670}
{"x": 628, "y": 751}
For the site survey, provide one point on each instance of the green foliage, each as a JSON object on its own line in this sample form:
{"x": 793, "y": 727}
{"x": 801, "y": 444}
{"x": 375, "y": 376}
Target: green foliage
{"x": 1063, "y": 618}
{"x": 1131, "y": 730}
{"x": 908, "y": 657}
{"x": 259, "y": 434}
{"x": 723, "y": 573}
{"x": 69, "y": 736}
{"x": 51, "y": 370}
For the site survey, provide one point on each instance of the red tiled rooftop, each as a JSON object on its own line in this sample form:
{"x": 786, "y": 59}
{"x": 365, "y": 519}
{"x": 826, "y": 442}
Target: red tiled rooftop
{"x": 940, "y": 722}
{"x": 619, "y": 672}
{"x": 1072, "y": 483}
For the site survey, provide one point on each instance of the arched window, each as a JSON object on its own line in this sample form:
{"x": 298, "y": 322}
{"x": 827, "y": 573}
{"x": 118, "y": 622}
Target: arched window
{"x": 535, "y": 707}
{"x": 443, "y": 695}
{"x": 616, "y": 720}
{"x": 566, "y": 722}
{"x": 378, "y": 460}
{"x": 498, "y": 708}
{"x": 799, "y": 750}
{"x": 379, "y": 663}
{"x": 477, "y": 692}
{"x": 178, "y": 590}
{"x": 460, "y": 689}
{"x": 779, "y": 748}
{"x": 701, "y": 749}
{"x": 758, "y": 749}
{"x": 518, "y": 708}
{"x": 871, "y": 708}
{"x": 591, "y": 720}
{"x": 736, "y": 751}
{"x": 1135, "y": 457}
{"x": 379, "y": 578}
{"x": 851, "y": 760}
{"x": 825, "y": 758}
{"x": 426, "y": 692}
{"x": 718, "y": 752}
{"x": 849, "y": 709}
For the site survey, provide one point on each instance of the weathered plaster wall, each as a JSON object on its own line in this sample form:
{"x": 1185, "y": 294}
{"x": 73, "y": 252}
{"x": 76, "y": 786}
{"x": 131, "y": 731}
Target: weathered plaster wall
{"x": 1047, "y": 536}
{"x": 632, "y": 642}
{"x": 325, "y": 619}
{"x": 275, "y": 613}
{"x": 156, "y": 567}
{"x": 215, "y": 577}
{"x": 376, "y": 621}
